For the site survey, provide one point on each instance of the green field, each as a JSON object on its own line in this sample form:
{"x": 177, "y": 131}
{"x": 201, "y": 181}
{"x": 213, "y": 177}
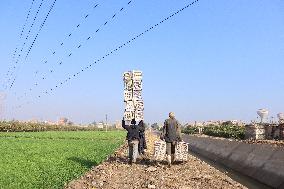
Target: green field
{"x": 51, "y": 159}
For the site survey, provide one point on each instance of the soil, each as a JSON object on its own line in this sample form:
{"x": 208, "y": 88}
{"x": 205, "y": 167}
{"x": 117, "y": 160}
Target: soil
{"x": 116, "y": 173}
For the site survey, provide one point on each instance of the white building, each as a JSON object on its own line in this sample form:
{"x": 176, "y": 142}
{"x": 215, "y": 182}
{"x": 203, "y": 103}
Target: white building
{"x": 100, "y": 125}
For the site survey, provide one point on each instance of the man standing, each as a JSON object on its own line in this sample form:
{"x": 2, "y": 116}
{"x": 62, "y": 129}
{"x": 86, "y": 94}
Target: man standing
{"x": 171, "y": 134}
{"x": 133, "y": 138}
{"x": 142, "y": 140}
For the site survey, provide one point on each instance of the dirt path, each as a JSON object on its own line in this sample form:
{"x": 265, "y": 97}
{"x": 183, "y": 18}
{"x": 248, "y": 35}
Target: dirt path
{"x": 116, "y": 173}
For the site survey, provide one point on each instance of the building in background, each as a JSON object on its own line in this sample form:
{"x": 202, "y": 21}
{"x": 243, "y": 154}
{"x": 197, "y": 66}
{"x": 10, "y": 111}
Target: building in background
{"x": 100, "y": 125}
{"x": 62, "y": 121}
{"x": 118, "y": 124}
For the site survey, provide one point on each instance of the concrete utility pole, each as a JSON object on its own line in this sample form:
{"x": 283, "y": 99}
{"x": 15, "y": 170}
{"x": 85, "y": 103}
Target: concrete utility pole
{"x": 106, "y": 122}
{"x": 2, "y": 98}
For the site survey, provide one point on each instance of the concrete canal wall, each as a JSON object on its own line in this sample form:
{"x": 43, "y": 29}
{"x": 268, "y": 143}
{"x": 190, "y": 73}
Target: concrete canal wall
{"x": 262, "y": 162}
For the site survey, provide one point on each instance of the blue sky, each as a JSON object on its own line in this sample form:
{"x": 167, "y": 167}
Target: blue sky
{"x": 218, "y": 59}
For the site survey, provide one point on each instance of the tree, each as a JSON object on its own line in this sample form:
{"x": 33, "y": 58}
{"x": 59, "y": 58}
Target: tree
{"x": 155, "y": 126}
{"x": 226, "y": 123}
{"x": 62, "y": 121}
{"x": 70, "y": 123}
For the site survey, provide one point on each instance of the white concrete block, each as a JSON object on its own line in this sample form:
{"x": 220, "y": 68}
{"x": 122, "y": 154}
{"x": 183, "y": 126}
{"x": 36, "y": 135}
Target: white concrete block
{"x": 139, "y": 105}
{"x": 128, "y": 85}
{"x": 137, "y": 95}
{"x": 137, "y": 86}
{"x": 137, "y": 75}
{"x": 128, "y": 95}
{"x": 139, "y": 115}
{"x": 159, "y": 150}
{"x": 127, "y": 76}
{"x": 128, "y": 116}
{"x": 129, "y": 106}
{"x": 181, "y": 151}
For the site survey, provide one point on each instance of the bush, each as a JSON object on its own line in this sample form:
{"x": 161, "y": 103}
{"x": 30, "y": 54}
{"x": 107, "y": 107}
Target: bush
{"x": 190, "y": 130}
{"x": 225, "y": 131}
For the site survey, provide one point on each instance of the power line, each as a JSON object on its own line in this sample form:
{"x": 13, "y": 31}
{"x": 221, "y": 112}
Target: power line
{"x": 70, "y": 53}
{"x": 31, "y": 46}
{"x": 68, "y": 36}
{"x": 60, "y": 62}
{"x": 62, "y": 42}
{"x": 48, "y": 91}
{"x": 25, "y": 41}
{"x": 20, "y": 37}
{"x": 41, "y": 26}
{"x": 27, "y": 37}
{"x": 117, "y": 48}
{"x": 24, "y": 26}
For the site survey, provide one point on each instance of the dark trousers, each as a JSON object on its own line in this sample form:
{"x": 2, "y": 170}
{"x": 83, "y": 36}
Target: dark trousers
{"x": 170, "y": 148}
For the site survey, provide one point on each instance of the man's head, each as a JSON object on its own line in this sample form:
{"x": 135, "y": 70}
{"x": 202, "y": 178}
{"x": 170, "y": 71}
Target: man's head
{"x": 172, "y": 115}
{"x": 133, "y": 122}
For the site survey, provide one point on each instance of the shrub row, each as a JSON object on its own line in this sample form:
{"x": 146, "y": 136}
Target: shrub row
{"x": 225, "y": 131}
{"x": 16, "y": 126}
{"x": 190, "y": 130}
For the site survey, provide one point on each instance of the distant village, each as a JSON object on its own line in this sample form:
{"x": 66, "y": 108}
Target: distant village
{"x": 117, "y": 124}
{"x": 205, "y": 123}
{"x": 65, "y": 122}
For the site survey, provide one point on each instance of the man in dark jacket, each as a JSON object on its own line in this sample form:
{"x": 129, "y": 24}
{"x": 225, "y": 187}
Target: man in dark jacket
{"x": 171, "y": 134}
{"x": 133, "y": 138}
{"x": 142, "y": 139}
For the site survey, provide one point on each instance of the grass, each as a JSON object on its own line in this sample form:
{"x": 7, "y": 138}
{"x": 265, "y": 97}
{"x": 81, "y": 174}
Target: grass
{"x": 51, "y": 159}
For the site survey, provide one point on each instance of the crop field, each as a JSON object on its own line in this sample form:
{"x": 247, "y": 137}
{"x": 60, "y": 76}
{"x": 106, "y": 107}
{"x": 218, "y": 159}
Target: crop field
{"x": 51, "y": 159}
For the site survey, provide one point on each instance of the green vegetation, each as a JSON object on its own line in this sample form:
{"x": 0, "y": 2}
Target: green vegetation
{"x": 16, "y": 126}
{"x": 190, "y": 130}
{"x": 51, "y": 159}
{"x": 225, "y": 131}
